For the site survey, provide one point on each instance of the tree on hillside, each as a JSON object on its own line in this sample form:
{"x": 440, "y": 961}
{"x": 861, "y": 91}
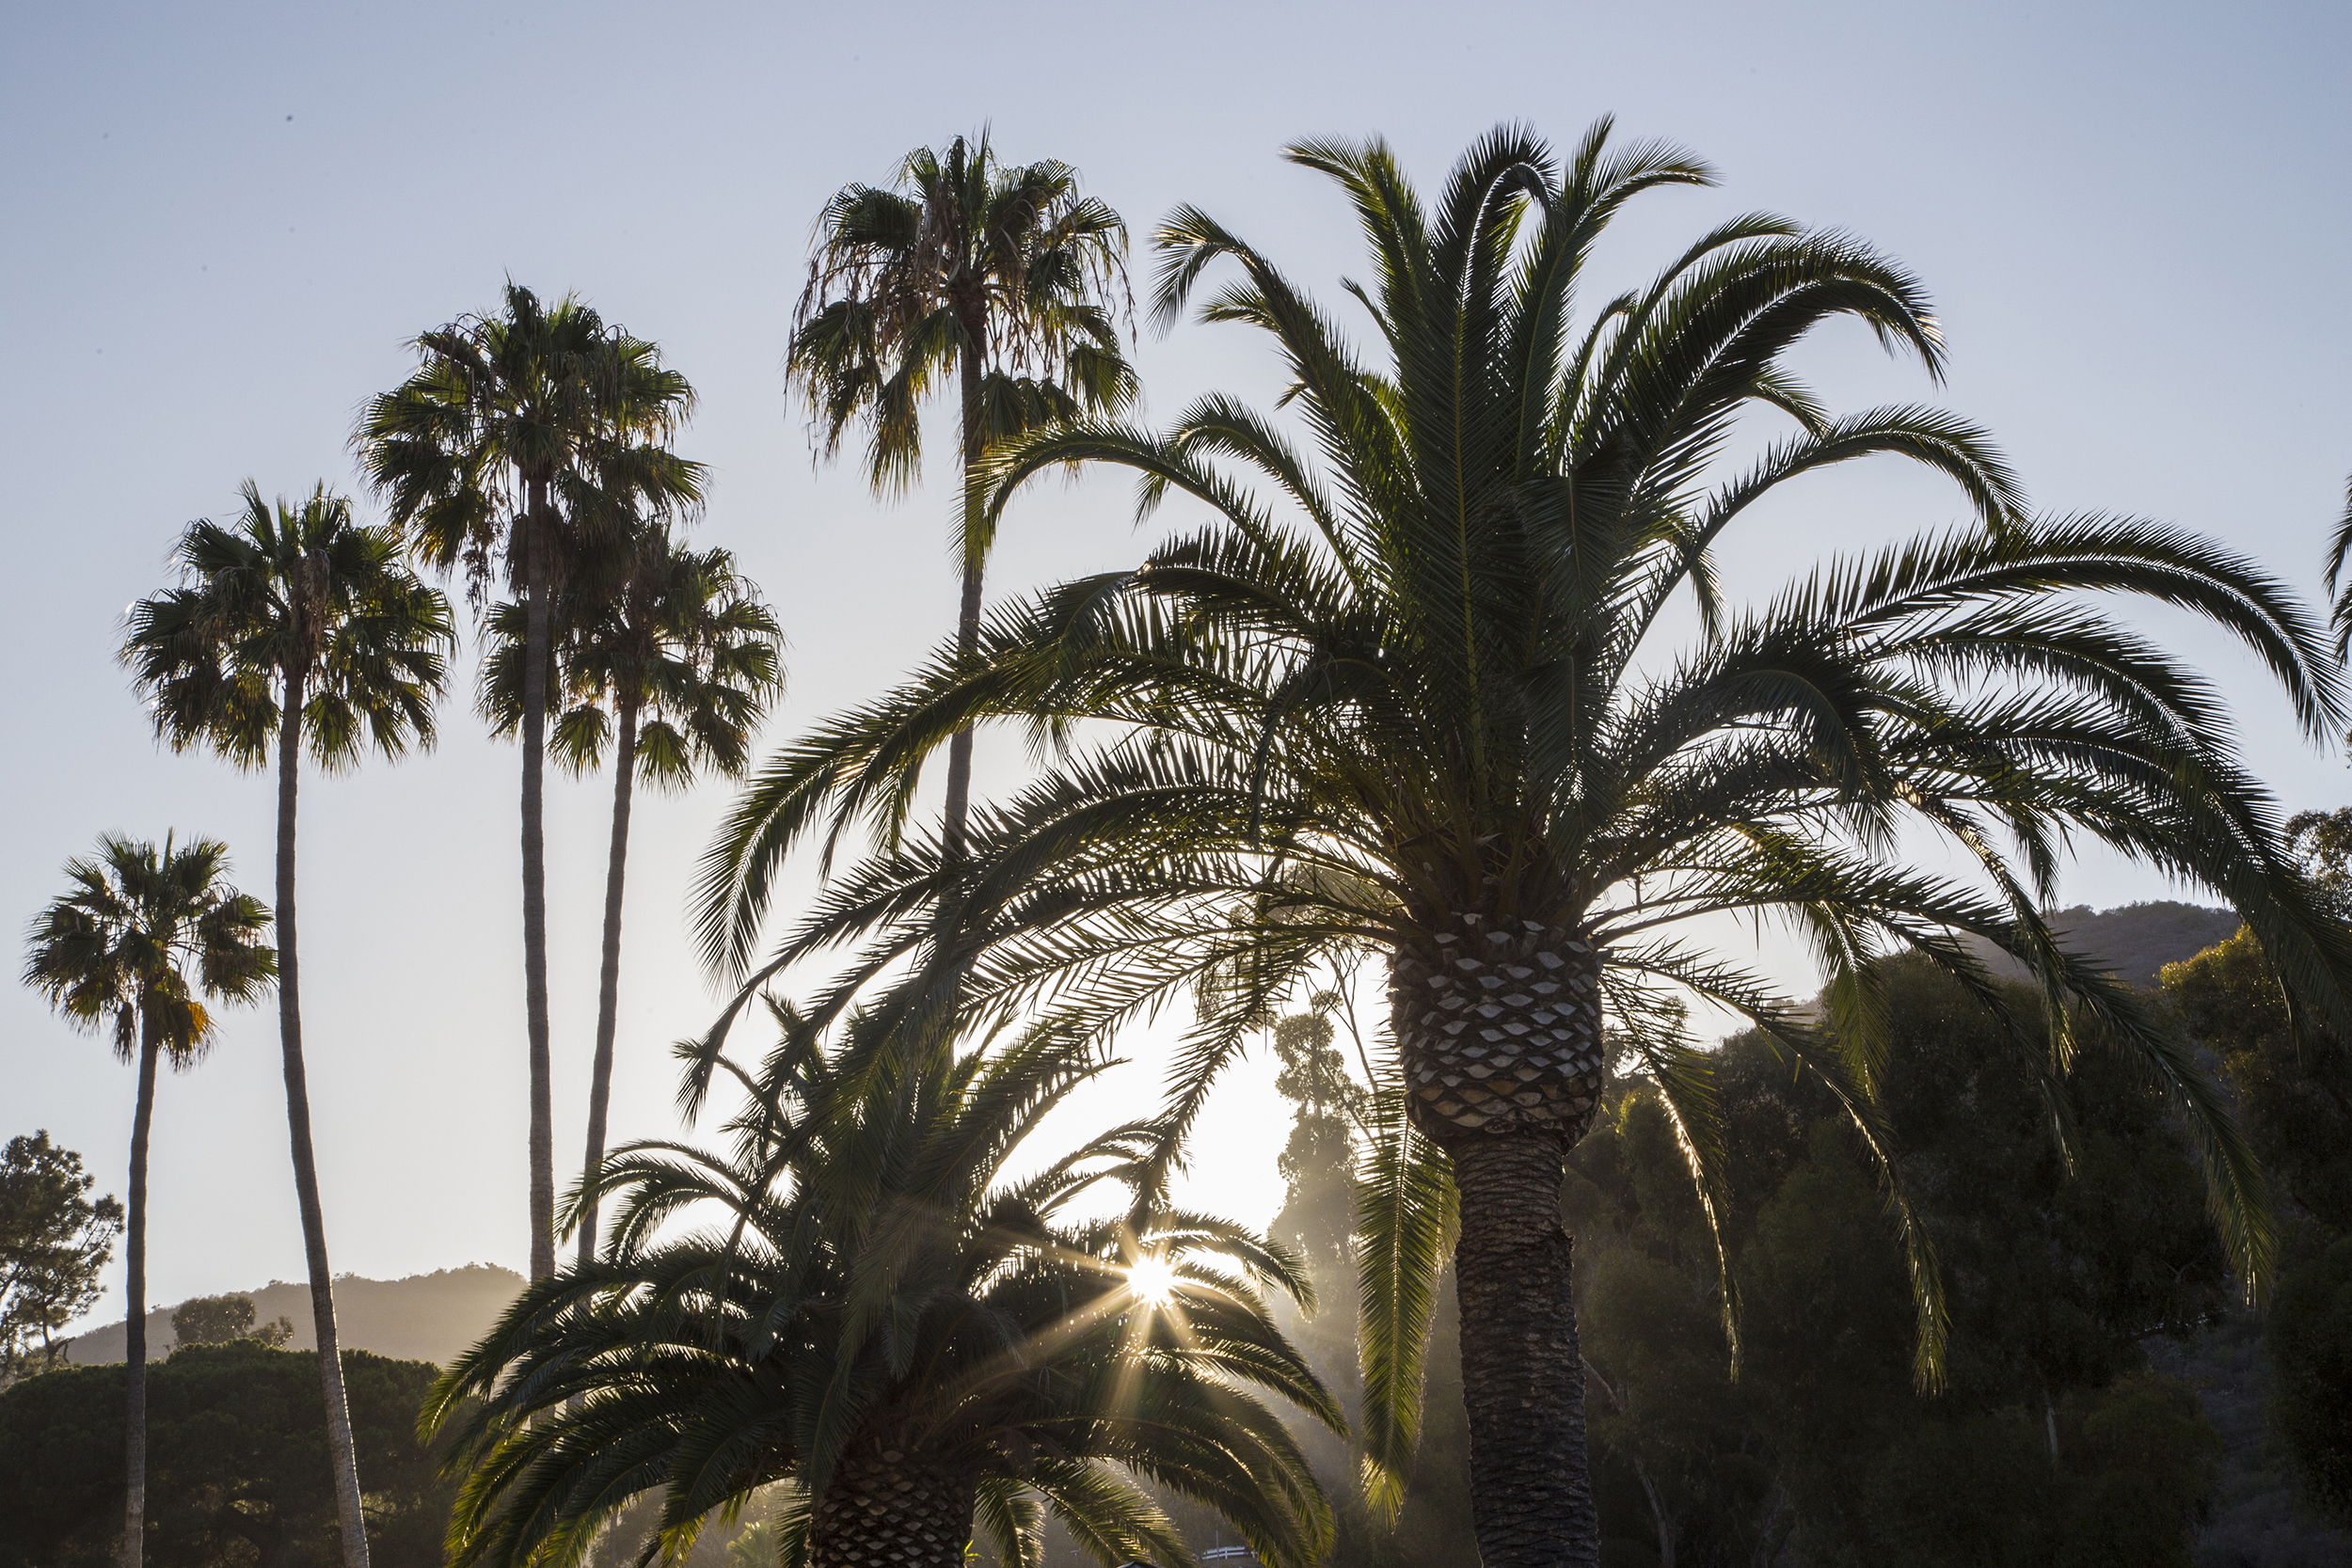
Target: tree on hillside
{"x": 294, "y": 627}
{"x": 223, "y": 1320}
{"x": 1419, "y": 700}
{"x": 666, "y": 657}
{"x": 140, "y": 940}
{"x": 54, "y": 1238}
{"x": 925, "y": 1346}
{"x": 524, "y": 439}
{"x": 1002, "y": 276}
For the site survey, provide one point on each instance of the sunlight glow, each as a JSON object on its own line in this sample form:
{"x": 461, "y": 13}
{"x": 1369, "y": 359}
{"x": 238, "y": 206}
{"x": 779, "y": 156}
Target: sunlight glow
{"x": 1152, "y": 1280}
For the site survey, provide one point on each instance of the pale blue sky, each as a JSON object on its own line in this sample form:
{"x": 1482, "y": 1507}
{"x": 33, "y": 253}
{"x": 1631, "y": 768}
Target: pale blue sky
{"x": 218, "y": 224}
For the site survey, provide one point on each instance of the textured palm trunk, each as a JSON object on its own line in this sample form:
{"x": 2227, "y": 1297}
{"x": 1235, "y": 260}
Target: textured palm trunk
{"x": 535, "y": 574}
{"x": 340, "y": 1453}
{"x": 885, "y": 1509}
{"x": 609, "y": 981}
{"x": 968, "y": 616}
{"x": 135, "y": 1326}
{"x": 1497, "y": 1024}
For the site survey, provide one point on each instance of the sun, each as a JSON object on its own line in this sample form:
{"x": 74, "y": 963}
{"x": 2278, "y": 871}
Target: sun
{"x": 1154, "y": 1280}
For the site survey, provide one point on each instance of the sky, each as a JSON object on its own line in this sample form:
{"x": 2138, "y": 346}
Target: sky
{"x": 221, "y": 227}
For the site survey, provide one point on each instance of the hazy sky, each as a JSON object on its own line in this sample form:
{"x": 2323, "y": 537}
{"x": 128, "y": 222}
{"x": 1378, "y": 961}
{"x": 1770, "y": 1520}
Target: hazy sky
{"x": 218, "y": 226}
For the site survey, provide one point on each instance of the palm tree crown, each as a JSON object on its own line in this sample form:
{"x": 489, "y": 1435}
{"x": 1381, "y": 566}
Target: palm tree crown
{"x": 678, "y": 636}
{"x": 1415, "y": 702}
{"x": 144, "y": 936}
{"x": 1002, "y": 274}
{"x": 300, "y": 599}
{"x": 543, "y": 425}
{"x": 884, "y": 1319}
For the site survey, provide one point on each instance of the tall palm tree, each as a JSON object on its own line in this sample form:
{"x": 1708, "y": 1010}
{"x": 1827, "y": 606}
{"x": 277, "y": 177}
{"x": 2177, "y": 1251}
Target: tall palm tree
{"x": 137, "y": 945}
{"x": 1003, "y": 276}
{"x": 666, "y": 656}
{"x": 882, "y": 1318}
{"x": 521, "y": 439}
{"x": 294, "y": 624}
{"x": 1425, "y": 704}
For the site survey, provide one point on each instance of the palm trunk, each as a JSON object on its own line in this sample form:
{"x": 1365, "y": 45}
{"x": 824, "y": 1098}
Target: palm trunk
{"x": 1498, "y": 1025}
{"x": 882, "y": 1509}
{"x": 968, "y": 616}
{"x": 535, "y": 574}
{"x": 1522, "y": 1381}
{"x": 609, "y": 982}
{"x": 340, "y": 1453}
{"x": 135, "y": 1326}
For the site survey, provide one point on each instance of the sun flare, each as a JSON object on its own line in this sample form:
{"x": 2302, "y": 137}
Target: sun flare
{"x": 1152, "y": 1280}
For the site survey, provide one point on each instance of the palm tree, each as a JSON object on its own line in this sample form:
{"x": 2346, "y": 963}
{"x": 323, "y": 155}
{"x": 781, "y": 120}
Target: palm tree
{"x": 521, "y": 439}
{"x": 883, "y": 1320}
{"x": 138, "y": 944}
{"x": 668, "y": 656}
{"x": 1423, "y": 704}
{"x": 295, "y": 624}
{"x": 1005, "y": 276}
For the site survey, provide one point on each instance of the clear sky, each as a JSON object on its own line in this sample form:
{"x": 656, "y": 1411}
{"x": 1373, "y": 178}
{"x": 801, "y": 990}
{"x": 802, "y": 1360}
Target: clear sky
{"x": 219, "y": 224}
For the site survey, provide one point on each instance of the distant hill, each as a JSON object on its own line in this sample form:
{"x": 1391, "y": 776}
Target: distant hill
{"x": 2132, "y": 942}
{"x": 426, "y": 1317}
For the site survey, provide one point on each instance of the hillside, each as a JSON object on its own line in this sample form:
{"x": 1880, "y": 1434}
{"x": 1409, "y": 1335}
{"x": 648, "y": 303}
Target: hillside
{"x": 2133, "y": 941}
{"x": 426, "y": 1317}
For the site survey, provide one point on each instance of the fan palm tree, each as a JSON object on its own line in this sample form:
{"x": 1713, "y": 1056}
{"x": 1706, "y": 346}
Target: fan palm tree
{"x": 521, "y": 439}
{"x": 885, "y": 1320}
{"x": 1425, "y": 704}
{"x": 667, "y": 656}
{"x": 140, "y": 940}
{"x": 294, "y": 624}
{"x": 1003, "y": 276}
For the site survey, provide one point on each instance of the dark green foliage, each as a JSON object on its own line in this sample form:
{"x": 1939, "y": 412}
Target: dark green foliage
{"x": 1822, "y": 1445}
{"x": 2311, "y": 1364}
{"x": 225, "y": 1320}
{"x": 54, "y": 1238}
{"x": 237, "y": 1462}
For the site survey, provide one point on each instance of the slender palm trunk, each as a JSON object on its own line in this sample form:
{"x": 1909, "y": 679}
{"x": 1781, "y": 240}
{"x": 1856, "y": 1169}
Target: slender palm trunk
{"x": 340, "y": 1453}
{"x": 968, "y": 616}
{"x": 1522, "y": 1381}
{"x": 884, "y": 1510}
{"x": 135, "y": 1326}
{"x": 536, "y": 573}
{"x": 609, "y": 982}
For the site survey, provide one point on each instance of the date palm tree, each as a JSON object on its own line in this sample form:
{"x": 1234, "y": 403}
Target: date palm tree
{"x": 522, "y": 438}
{"x": 1423, "y": 702}
{"x": 295, "y": 625}
{"x": 884, "y": 1319}
{"x": 1002, "y": 276}
{"x": 138, "y": 943}
{"x": 667, "y": 658}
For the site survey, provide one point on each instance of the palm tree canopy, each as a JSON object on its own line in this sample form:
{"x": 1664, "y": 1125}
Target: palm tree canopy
{"x": 678, "y": 634}
{"x": 305, "y": 593}
{"x": 872, "y": 1277}
{"x": 1416, "y": 668}
{"x": 1006, "y": 265}
{"x": 143, "y": 932}
{"x": 539, "y": 395}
